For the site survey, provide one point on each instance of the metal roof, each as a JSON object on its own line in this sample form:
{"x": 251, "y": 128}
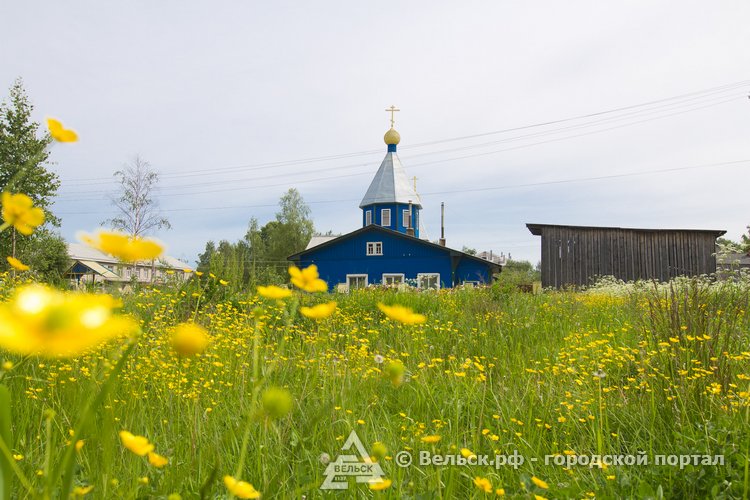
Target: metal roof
{"x": 78, "y": 251}
{"x": 318, "y": 240}
{"x": 375, "y": 228}
{"x": 536, "y": 229}
{"x": 99, "y": 269}
{"x": 390, "y": 184}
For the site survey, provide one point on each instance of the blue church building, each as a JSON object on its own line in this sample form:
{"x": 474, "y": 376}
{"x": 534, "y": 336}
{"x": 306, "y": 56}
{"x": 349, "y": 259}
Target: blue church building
{"x": 387, "y": 249}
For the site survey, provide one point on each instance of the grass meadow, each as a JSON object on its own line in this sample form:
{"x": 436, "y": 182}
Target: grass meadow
{"x": 616, "y": 370}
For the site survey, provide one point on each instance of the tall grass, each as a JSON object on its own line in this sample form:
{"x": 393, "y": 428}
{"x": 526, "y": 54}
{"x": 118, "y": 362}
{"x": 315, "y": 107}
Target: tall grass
{"x": 615, "y": 370}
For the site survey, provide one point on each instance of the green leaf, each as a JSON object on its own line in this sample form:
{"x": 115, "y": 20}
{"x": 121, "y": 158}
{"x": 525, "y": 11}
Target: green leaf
{"x": 6, "y": 472}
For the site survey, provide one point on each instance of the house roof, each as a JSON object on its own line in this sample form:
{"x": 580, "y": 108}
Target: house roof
{"x": 318, "y": 240}
{"x": 536, "y": 229}
{"x": 376, "y": 228}
{"x": 101, "y": 270}
{"x": 390, "y": 184}
{"x": 80, "y": 252}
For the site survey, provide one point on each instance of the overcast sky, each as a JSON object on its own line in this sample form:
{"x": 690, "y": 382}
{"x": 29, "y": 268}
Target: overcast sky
{"x": 211, "y": 93}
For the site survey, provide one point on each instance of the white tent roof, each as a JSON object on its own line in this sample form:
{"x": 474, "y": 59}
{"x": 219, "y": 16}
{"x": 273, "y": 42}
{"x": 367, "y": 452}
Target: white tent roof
{"x": 390, "y": 184}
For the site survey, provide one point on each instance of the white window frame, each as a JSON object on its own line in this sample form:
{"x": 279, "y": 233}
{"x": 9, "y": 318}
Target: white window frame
{"x": 383, "y": 213}
{"x": 374, "y": 248}
{"x": 406, "y": 216}
{"x": 393, "y": 275}
{"x": 366, "y": 277}
{"x": 368, "y": 217}
{"x": 427, "y": 275}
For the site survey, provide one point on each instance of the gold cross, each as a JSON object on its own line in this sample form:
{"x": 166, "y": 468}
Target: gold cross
{"x": 415, "y": 183}
{"x": 392, "y": 110}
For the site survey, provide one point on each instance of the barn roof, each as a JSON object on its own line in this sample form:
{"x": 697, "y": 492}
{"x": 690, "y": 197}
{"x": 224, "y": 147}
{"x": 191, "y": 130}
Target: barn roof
{"x": 536, "y": 229}
{"x": 390, "y": 184}
{"x": 376, "y": 228}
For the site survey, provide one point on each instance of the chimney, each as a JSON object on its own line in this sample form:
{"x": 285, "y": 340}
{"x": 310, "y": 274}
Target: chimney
{"x": 409, "y": 228}
{"x": 442, "y": 224}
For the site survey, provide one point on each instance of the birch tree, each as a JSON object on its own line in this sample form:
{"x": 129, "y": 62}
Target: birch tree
{"x": 137, "y": 208}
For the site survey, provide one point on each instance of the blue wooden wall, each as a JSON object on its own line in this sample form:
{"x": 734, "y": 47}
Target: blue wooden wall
{"x": 401, "y": 254}
{"x": 397, "y": 216}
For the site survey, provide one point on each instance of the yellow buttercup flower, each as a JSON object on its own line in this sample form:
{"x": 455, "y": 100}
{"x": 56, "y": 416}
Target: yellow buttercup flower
{"x": 19, "y": 211}
{"x": 500, "y": 492}
{"x": 122, "y": 246}
{"x": 157, "y": 460}
{"x": 274, "y": 292}
{"x": 276, "y": 402}
{"x": 39, "y": 320}
{"x": 189, "y": 339}
{"x": 402, "y": 314}
{"x": 541, "y": 484}
{"x": 137, "y": 444}
{"x": 240, "y": 489}
{"x": 466, "y": 453}
{"x": 307, "y": 279}
{"x": 82, "y": 491}
{"x": 431, "y": 439}
{"x": 80, "y": 444}
{"x": 17, "y": 264}
{"x": 320, "y": 311}
{"x": 60, "y": 133}
{"x": 380, "y": 484}
{"x": 483, "y": 484}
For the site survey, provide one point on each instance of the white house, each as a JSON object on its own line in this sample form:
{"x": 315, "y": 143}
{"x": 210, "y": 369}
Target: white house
{"x": 89, "y": 265}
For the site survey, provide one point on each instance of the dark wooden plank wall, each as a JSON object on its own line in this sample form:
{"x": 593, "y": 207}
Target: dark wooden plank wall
{"x": 576, "y": 256}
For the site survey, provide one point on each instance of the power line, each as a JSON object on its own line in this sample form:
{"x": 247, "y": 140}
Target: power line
{"x": 213, "y": 171}
{"x": 432, "y": 162}
{"x": 657, "y": 109}
{"x": 471, "y": 190}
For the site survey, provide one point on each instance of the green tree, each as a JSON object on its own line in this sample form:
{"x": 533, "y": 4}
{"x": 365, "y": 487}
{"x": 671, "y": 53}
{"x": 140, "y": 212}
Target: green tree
{"x": 204, "y": 259}
{"x": 24, "y": 156}
{"x": 260, "y": 258}
{"x": 745, "y": 241}
{"x": 48, "y": 253}
{"x": 270, "y": 245}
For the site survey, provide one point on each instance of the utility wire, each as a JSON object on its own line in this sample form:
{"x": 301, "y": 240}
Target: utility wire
{"x": 486, "y": 144}
{"x": 471, "y": 190}
{"x": 368, "y": 171}
{"x": 213, "y": 171}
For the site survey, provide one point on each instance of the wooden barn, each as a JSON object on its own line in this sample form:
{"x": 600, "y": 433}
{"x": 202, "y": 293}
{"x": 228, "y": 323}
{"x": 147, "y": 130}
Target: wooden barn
{"x": 577, "y": 255}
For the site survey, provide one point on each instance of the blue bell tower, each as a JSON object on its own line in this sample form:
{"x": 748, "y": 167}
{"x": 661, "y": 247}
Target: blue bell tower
{"x": 391, "y": 200}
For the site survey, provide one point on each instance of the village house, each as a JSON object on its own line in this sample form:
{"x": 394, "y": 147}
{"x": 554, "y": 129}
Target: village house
{"x": 90, "y": 266}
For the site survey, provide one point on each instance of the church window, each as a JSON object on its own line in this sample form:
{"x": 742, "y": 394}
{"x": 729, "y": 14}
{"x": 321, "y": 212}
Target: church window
{"x": 368, "y": 217}
{"x": 374, "y": 248}
{"x": 385, "y": 217}
{"x": 428, "y": 280}
{"x": 355, "y": 281}
{"x": 407, "y": 218}
{"x": 393, "y": 279}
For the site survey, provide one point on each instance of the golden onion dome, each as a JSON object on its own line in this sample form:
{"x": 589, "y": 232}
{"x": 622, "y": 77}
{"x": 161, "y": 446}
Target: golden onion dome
{"x": 392, "y": 137}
